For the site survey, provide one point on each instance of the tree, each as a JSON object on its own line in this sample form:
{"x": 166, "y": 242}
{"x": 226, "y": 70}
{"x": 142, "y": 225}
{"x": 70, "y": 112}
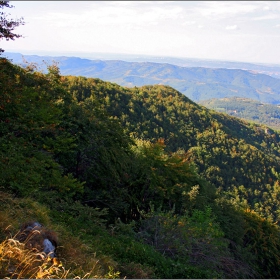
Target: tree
{"x": 8, "y": 25}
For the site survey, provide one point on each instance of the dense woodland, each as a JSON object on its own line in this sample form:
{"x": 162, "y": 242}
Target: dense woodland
{"x": 248, "y": 109}
{"x": 141, "y": 181}
{"x": 237, "y": 157}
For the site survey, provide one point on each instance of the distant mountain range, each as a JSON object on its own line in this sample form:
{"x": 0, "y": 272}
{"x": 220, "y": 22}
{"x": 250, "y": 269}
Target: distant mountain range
{"x": 272, "y": 70}
{"x": 197, "y": 83}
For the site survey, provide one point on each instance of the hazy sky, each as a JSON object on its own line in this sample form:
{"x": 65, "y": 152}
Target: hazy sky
{"x": 247, "y": 31}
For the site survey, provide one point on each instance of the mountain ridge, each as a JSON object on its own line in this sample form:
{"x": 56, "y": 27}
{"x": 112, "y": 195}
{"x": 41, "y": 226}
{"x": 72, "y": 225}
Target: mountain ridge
{"x": 197, "y": 83}
{"x": 264, "y": 68}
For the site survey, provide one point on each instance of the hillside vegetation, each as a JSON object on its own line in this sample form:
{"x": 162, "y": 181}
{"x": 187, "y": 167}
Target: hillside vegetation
{"x": 248, "y": 109}
{"x": 137, "y": 182}
{"x": 234, "y": 155}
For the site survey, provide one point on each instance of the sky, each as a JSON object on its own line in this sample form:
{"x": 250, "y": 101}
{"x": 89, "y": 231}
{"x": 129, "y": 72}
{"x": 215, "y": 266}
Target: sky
{"x": 245, "y": 31}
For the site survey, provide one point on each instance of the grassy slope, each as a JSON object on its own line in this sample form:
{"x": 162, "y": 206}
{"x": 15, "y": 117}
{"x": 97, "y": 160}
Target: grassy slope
{"x": 85, "y": 247}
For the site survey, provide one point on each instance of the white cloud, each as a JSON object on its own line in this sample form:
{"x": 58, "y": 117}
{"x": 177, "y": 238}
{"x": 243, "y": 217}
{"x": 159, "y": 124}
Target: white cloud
{"x": 231, "y": 27}
{"x": 178, "y": 28}
{"x": 224, "y": 9}
{"x": 267, "y": 17}
{"x": 191, "y": 22}
{"x": 115, "y": 14}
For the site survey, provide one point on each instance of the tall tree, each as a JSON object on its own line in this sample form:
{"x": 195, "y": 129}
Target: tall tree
{"x": 7, "y": 26}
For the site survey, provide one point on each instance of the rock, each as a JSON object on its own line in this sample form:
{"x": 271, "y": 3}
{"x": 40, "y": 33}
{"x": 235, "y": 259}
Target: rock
{"x": 33, "y": 226}
{"x": 36, "y": 236}
{"x": 49, "y": 248}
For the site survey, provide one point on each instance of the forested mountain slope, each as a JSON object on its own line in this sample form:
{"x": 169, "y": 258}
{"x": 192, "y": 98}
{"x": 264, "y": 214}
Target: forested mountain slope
{"x": 248, "y": 109}
{"x": 133, "y": 181}
{"x": 232, "y": 154}
{"x": 197, "y": 83}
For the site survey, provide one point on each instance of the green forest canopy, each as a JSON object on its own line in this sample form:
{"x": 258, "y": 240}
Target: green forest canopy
{"x": 249, "y": 109}
{"x": 204, "y": 183}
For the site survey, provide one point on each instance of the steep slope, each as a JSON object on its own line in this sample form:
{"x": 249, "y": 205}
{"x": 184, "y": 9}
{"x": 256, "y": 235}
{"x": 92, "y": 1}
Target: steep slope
{"x": 62, "y": 155}
{"x": 197, "y": 83}
{"x": 232, "y": 154}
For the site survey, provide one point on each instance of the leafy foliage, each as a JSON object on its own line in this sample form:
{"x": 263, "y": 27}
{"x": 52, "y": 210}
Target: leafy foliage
{"x": 230, "y": 153}
{"x": 28, "y": 115}
{"x": 7, "y": 26}
{"x": 150, "y": 182}
{"x": 197, "y": 239}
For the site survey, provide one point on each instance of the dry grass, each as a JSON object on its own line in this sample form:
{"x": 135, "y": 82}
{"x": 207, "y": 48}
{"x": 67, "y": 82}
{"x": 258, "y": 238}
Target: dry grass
{"x": 18, "y": 262}
{"x": 24, "y": 259}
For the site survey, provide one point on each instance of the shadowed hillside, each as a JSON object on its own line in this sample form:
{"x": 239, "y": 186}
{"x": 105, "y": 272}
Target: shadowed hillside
{"x": 234, "y": 155}
{"x": 133, "y": 183}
